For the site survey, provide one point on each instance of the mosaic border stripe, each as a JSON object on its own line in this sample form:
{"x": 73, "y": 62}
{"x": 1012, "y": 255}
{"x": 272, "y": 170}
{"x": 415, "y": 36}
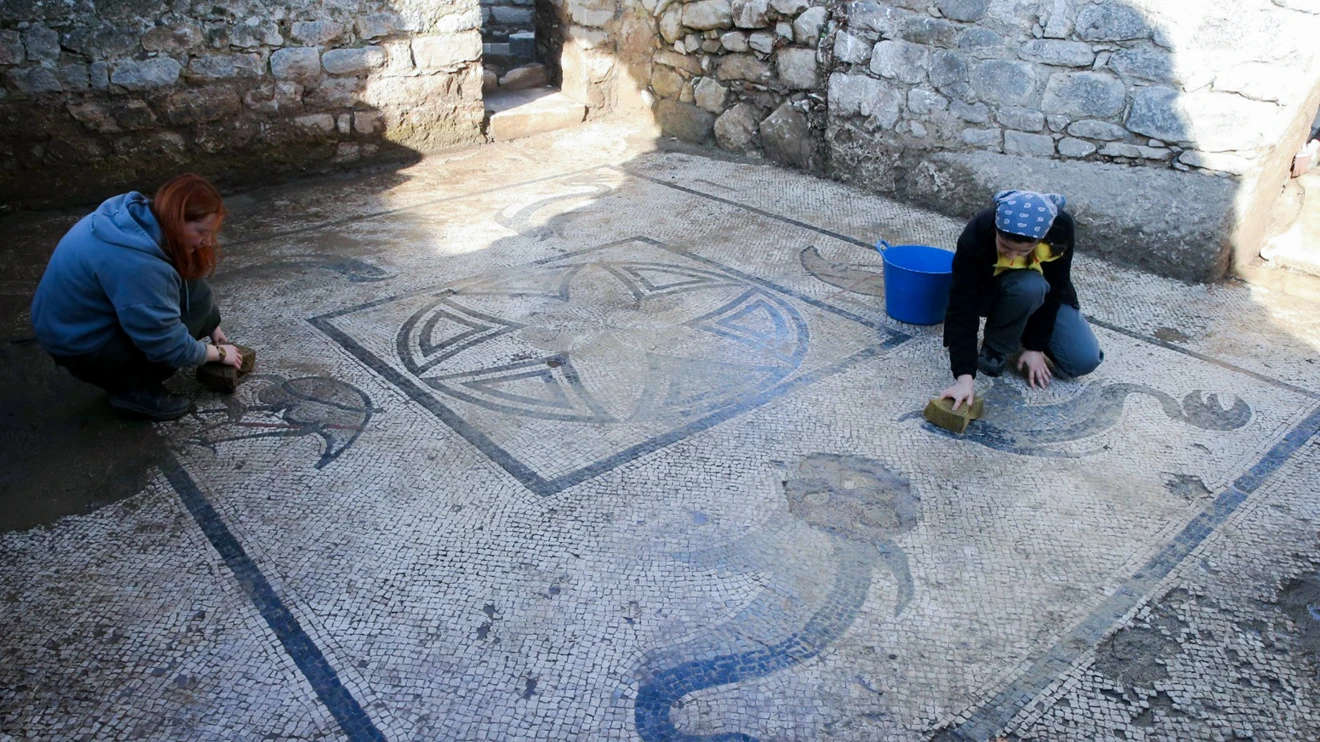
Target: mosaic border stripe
{"x": 353, "y": 720}
{"x": 992, "y": 717}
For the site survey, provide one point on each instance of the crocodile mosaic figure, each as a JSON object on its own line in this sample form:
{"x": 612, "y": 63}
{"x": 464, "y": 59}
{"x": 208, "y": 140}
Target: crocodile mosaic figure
{"x": 859, "y": 507}
{"x": 1011, "y": 425}
{"x": 335, "y": 411}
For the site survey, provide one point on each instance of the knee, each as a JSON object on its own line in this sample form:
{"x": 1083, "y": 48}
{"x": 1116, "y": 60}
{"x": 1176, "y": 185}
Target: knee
{"x": 1076, "y": 364}
{"x": 1028, "y": 287}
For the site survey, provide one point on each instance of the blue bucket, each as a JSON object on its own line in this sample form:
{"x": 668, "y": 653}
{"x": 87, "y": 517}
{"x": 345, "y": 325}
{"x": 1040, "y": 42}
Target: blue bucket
{"x": 917, "y": 280}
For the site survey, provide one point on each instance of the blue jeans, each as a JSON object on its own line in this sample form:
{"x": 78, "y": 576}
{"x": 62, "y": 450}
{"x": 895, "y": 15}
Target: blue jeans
{"x": 1073, "y": 346}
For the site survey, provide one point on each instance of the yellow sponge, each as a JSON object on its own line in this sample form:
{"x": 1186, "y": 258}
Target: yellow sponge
{"x": 940, "y": 412}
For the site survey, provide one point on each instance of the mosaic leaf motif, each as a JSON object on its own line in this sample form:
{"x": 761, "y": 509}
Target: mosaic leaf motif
{"x": 1011, "y": 425}
{"x": 861, "y": 506}
{"x": 335, "y": 411}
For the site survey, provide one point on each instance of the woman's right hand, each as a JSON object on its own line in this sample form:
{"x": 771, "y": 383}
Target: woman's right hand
{"x": 962, "y": 392}
{"x": 232, "y": 356}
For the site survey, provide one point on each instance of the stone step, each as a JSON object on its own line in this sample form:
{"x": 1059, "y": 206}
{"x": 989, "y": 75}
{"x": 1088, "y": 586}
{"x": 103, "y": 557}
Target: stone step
{"x": 519, "y": 113}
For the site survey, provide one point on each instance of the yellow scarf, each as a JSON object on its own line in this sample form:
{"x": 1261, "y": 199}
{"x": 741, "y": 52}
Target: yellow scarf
{"x": 1042, "y": 254}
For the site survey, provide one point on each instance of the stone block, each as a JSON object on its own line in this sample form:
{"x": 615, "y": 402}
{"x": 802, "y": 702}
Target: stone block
{"x": 981, "y": 42}
{"x": 1022, "y": 143}
{"x": 761, "y": 41}
{"x": 527, "y": 76}
{"x": 134, "y": 115}
{"x": 690, "y": 65}
{"x": 1219, "y": 161}
{"x": 923, "y": 102}
{"x": 683, "y": 120}
{"x": 375, "y": 25}
{"x": 786, "y": 137}
{"x": 489, "y": 80}
{"x": 172, "y": 38}
{"x": 34, "y": 80}
{"x": 11, "y": 47}
{"x": 1069, "y": 147}
{"x": 95, "y": 116}
{"x": 1004, "y": 82}
{"x": 446, "y": 51}
{"x": 789, "y": 7}
{"x": 349, "y": 61}
{"x": 272, "y": 98}
{"x": 1059, "y": 53}
{"x": 146, "y": 74}
{"x": 735, "y": 129}
{"x": 709, "y": 95}
{"x": 708, "y": 14}
{"x": 734, "y": 41}
{"x": 1093, "y": 94}
{"x": 98, "y": 74}
{"x": 1022, "y": 119}
{"x": 297, "y": 63}
{"x": 511, "y": 16}
{"x": 1145, "y": 64}
{"x": 750, "y": 13}
{"x": 195, "y": 105}
{"x": 692, "y": 42}
{"x": 851, "y": 49}
{"x": 1057, "y": 121}
{"x": 948, "y": 69}
{"x": 344, "y": 123}
{"x": 901, "y": 60}
{"x": 743, "y": 67}
{"x": 593, "y": 17}
{"x": 992, "y": 138}
{"x": 962, "y": 10}
{"x": 671, "y": 24}
{"x": 861, "y": 95}
{"x": 335, "y": 92}
{"x": 316, "y": 33}
{"x": 665, "y": 81}
{"x": 322, "y": 122}
{"x": 975, "y": 113}
{"x": 42, "y": 44}
{"x": 254, "y": 33}
{"x": 1091, "y": 129}
{"x": 1111, "y": 21}
{"x": 367, "y": 122}
{"x": 224, "y": 66}
{"x": 784, "y": 30}
{"x": 1155, "y": 113}
{"x": 797, "y": 68}
{"x": 73, "y": 76}
{"x": 806, "y": 28}
{"x": 922, "y": 29}
{"x": 872, "y": 20}
{"x": 1057, "y": 20}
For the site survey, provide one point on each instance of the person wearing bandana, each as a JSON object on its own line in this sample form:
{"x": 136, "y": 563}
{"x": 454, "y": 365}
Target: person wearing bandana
{"x": 1013, "y": 266}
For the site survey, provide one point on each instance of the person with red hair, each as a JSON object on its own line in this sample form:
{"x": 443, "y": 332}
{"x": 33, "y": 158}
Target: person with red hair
{"x": 124, "y": 302}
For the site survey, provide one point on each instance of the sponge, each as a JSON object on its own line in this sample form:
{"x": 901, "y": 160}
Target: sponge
{"x": 940, "y": 412}
{"x": 222, "y": 377}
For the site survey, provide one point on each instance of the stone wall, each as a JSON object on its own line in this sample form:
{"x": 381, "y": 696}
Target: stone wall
{"x": 942, "y": 102}
{"x": 102, "y": 96}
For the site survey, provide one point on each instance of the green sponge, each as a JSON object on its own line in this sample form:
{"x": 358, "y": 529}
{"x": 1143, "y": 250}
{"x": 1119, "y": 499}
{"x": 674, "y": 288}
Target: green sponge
{"x": 940, "y": 412}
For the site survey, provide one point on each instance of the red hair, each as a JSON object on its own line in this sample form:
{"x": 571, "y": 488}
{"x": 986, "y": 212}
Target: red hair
{"x": 187, "y": 198}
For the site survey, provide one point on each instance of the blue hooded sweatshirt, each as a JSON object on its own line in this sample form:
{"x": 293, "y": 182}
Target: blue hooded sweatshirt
{"x": 109, "y": 270}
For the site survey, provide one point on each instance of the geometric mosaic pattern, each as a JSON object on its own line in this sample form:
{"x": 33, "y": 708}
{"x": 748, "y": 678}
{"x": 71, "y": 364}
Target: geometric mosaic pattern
{"x": 610, "y": 353}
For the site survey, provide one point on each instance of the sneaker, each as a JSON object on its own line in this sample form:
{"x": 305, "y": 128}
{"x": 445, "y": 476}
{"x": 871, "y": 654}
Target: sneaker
{"x": 990, "y": 362}
{"x": 154, "y": 403}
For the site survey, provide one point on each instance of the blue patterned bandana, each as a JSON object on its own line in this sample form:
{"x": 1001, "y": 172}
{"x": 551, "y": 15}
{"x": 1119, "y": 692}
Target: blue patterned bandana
{"x": 1026, "y": 213}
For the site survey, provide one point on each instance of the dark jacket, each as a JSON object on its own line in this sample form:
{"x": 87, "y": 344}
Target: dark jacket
{"x": 974, "y": 288}
{"x": 109, "y": 272}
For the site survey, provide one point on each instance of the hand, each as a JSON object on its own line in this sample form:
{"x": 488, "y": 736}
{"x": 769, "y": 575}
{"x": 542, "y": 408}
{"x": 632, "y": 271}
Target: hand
{"x": 218, "y": 336}
{"x": 962, "y": 392}
{"x": 1032, "y": 365}
{"x": 232, "y": 356}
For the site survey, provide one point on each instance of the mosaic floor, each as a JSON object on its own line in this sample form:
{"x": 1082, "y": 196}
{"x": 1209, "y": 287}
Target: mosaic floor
{"x": 554, "y": 440}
